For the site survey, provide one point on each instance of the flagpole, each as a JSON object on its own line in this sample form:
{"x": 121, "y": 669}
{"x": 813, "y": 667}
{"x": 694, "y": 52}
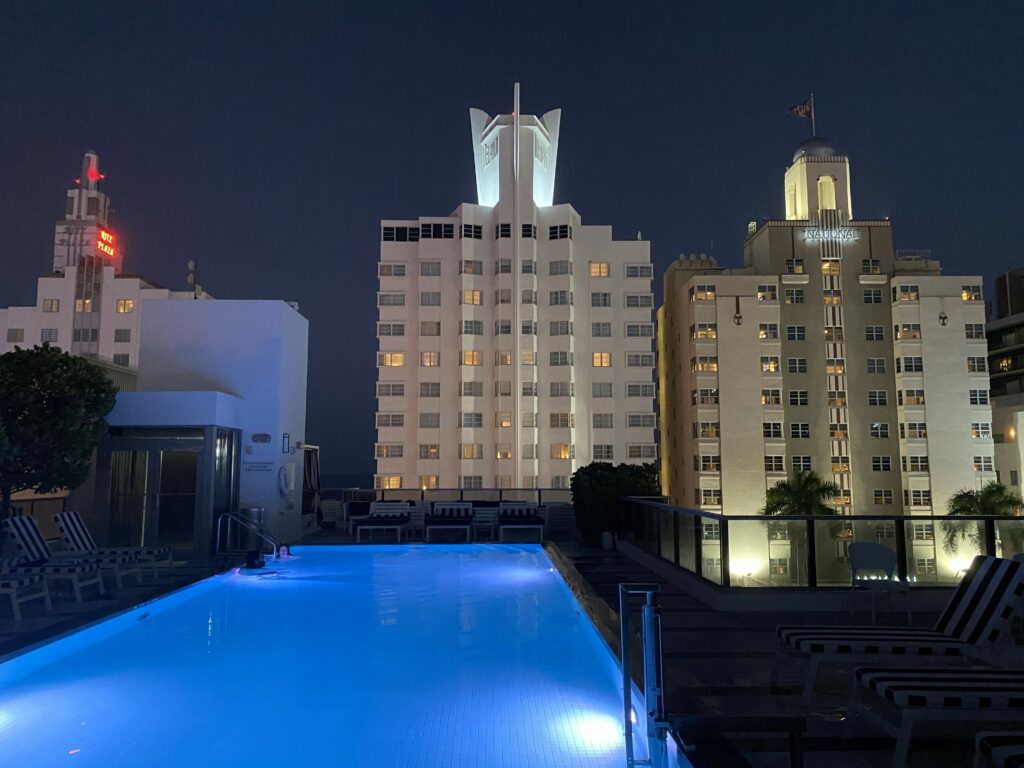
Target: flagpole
{"x": 814, "y": 127}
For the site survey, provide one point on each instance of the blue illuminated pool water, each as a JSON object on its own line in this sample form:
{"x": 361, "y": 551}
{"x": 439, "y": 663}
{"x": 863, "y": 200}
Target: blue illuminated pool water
{"x": 438, "y": 656}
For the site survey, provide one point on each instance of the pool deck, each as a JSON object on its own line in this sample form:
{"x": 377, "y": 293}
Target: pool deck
{"x": 39, "y": 625}
{"x": 719, "y": 662}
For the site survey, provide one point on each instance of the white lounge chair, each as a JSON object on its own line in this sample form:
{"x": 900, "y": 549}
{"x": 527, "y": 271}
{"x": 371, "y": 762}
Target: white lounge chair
{"x": 975, "y": 617}
{"x": 451, "y": 516}
{"x": 21, "y": 586}
{"x": 24, "y": 532}
{"x": 519, "y": 516}
{"x": 384, "y": 516}
{"x": 955, "y": 695}
{"x": 999, "y": 749}
{"x": 78, "y": 573}
{"x": 77, "y": 539}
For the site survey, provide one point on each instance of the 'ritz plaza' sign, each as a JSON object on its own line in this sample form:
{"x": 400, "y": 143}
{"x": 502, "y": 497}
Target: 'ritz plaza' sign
{"x": 840, "y": 234}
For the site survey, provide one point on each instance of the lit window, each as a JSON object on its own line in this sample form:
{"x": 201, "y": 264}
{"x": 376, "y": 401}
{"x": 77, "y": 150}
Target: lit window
{"x": 471, "y": 450}
{"x": 83, "y": 305}
{"x": 15, "y": 335}
{"x": 527, "y": 357}
{"x": 600, "y": 269}
{"x": 391, "y": 359}
{"x": 704, "y": 363}
{"x": 503, "y": 451}
{"x": 428, "y": 482}
{"x": 124, "y": 306}
{"x": 770, "y": 364}
{"x": 971, "y": 293}
{"x": 472, "y": 357}
{"x": 388, "y": 482}
{"x": 472, "y": 297}
{"x": 562, "y": 451}
{"x": 429, "y": 451}
{"x": 704, "y": 331}
{"x": 602, "y": 359}
{"x": 767, "y": 293}
{"x": 833, "y": 334}
{"x": 51, "y": 305}
{"x": 49, "y": 336}
{"x": 502, "y": 357}
{"x": 430, "y": 359}
{"x": 702, "y": 293}
{"x": 771, "y": 397}
{"x": 905, "y": 293}
{"x": 837, "y": 398}
{"x": 768, "y": 331}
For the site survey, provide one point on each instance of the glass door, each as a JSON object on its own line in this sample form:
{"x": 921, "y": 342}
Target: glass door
{"x": 176, "y": 497}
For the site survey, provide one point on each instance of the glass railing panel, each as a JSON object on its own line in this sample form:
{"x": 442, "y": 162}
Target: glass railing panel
{"x": 832, "y": 539}
{"x": 556, "y": 496}
{"x": 939, "y": 550}
{"x": 1010, "y": 537}
{"x": 442, "y": 494}
{"x": 524, "y": 495}
{"x": 667, "y": 534}
{"x": 488, "y": 495}
{"x": 687, "y": 540}
{"x": 768, "y": 553}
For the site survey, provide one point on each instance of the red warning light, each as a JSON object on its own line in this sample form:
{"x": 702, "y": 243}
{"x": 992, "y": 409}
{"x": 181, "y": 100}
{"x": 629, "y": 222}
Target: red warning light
{"x": 93, "y": 174}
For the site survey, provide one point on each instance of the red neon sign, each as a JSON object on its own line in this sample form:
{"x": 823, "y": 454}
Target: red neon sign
{"x": 105, "y": 244}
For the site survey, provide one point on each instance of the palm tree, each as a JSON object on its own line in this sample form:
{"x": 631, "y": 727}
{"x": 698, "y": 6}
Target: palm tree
{"x": 992, "y": 500}
{"x": 802, "y": 493}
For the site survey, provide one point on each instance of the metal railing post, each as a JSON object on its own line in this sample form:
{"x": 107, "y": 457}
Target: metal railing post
{"x": 723, "y": 538}
{"x": 698, "y": 545}
{"x": 899, "y": 524}
{"x": 812, "y": 554}
{"x": 627, "y": 680}
{"x": 990, "y": 537}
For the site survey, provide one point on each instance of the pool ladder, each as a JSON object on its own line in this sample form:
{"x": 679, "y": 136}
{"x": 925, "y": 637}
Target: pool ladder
{"x": 654, "y": 693}
{"x": 233, "y": 519}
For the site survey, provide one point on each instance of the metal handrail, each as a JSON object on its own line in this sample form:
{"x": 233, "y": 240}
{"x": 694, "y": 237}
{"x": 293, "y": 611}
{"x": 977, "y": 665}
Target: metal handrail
{"x": 249, "y": 525}
{"x": 654, "y": 689}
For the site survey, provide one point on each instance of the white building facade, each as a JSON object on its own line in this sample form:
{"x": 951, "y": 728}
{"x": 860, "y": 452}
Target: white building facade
{"x": 86, "y": 305}
{"x": 515, "y": 343}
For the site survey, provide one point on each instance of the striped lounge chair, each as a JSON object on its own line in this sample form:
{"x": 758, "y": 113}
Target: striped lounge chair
{"x": 384, "y": 516}
{"x": 519, "y": 517}
{"x": 449, "y": 515}
{"x": 78, "y": 540}
{"x": 24, "y": 532}
{"x": 999, "y": 749}
{"x": 955, "y": 694}
{"x": 21, "y": 586}
{"x": 976, "y": 616}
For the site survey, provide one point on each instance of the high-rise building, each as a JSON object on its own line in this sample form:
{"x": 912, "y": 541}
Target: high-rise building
{"x": 515, "y": 343}
{"x": 86, "y": 305}
{"x": 1006, "y": 365}
{"x": 827, "y": 350}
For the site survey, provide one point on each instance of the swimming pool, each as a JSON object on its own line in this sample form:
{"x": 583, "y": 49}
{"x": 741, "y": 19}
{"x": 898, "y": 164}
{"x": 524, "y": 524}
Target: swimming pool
{"x": 439, "y": 656}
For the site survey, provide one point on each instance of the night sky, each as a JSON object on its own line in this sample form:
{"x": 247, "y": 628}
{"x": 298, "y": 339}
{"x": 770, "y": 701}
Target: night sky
{"x": 267, "y": 139}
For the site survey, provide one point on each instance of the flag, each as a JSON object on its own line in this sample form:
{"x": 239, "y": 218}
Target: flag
{"x": 805, "y": 109}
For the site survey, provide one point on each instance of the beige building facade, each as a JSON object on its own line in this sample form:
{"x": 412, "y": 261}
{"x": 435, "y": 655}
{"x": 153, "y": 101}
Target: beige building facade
{"x": 827, "y": 350}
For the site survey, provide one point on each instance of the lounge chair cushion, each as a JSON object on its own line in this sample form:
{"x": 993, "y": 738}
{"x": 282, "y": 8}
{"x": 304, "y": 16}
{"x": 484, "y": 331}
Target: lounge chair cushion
{"x": 885, "y": 641}
{"x": 983, "y": 601}
{"x": 1004, "y": 749}
{"x": 10, "y": 581}
{"x": 953, "y": 688}
{"x": 57, "y": 568}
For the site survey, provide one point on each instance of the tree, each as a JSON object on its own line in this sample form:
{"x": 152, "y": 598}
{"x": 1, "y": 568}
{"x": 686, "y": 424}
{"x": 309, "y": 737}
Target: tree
{"x": 994, "y": 500}
{"x": 597, "y": 489}
{"x": 52, "y": 416}
{"x": 802, "y": 493}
